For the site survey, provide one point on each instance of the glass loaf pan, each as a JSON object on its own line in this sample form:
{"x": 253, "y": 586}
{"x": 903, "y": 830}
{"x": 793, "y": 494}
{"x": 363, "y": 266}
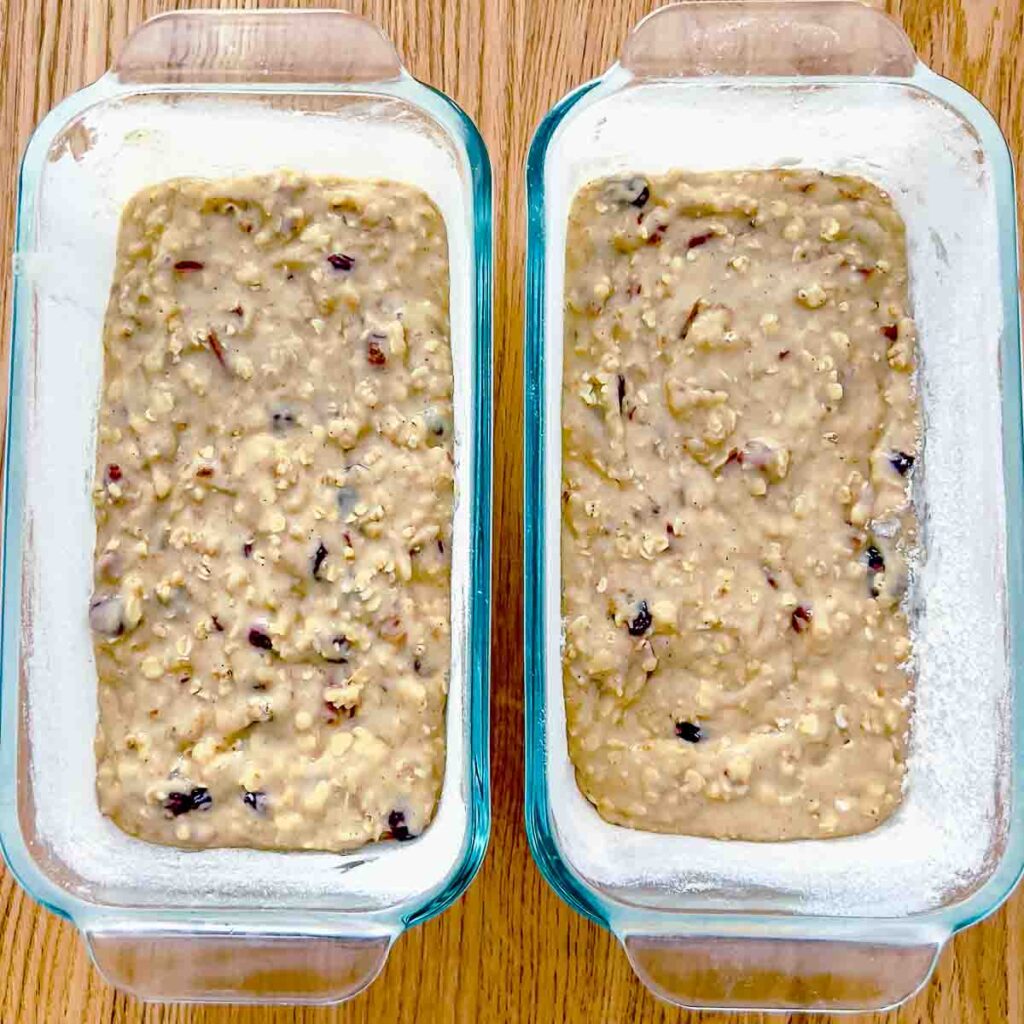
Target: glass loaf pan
{"x": 837, "y": 924}
{"x": 219, "y": 94}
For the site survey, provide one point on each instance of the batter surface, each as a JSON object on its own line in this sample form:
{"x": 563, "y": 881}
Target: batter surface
{"x": 739, "y": 430}
{"x": 273, "y": 497}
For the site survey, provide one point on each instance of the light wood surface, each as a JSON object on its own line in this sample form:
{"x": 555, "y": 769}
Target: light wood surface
{"x": 509, "y": 950}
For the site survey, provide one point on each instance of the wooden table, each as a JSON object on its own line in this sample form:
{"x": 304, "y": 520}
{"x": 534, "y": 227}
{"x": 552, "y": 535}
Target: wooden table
{"x": 509, "y": 951}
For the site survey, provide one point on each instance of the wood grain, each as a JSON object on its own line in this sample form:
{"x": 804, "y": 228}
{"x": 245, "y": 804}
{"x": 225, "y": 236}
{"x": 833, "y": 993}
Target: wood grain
{"x": 510, "y": 950}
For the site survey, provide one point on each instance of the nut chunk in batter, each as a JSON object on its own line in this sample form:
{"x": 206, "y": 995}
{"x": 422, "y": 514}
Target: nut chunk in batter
{"x": 273, "y": 496}
{"x": 740, "y": 427}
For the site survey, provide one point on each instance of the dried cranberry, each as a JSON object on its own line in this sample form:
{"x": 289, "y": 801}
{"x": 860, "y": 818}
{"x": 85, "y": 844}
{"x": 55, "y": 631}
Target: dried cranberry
{"x": 204, "y": 471}
{"x": 197, "y": 799}
{"x": 340, "y": 261}
{"x": 257, "y": 800}
{"x": 876, "y": 563}
{"x": 801, "y": 617}
{"x": 215, "y": 346}
{"x": 700, "y": 239}
{"x": 318, "y": 559}
{"x": 237, "y": 310}
{"x": 655, "y": 237}
{"x": 901, "y": 462}
{"x": 689, "y": 731}
{"x": 261, "y": 639}
{"x": 374, "y": 353}
{"x": 688, "y": 322}
{"x": 178, "y": 803}
{"x": 186, "y": 266}
{"x": 891, "y": 331}
{"x": 784, "y": 354}
{"x": 622, "y": 391}
{"x": 642, "y": 622}
{"x": 247, "y": 549}
{"x": 114, "y": 472}
{"x": 399, "y": 829}
{"x": 217, "y": 624}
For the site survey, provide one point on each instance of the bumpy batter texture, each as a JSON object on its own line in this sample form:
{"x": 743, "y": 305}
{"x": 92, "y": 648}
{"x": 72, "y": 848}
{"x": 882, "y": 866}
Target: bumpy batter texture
{"x": 739, "y": 430}
{"x": 273, "y": 497}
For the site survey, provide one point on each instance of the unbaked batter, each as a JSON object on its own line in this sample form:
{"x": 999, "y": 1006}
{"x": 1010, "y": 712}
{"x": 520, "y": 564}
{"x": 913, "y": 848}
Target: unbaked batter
{"x": 740, "y": 427}
{"x": 273, "y": 498}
